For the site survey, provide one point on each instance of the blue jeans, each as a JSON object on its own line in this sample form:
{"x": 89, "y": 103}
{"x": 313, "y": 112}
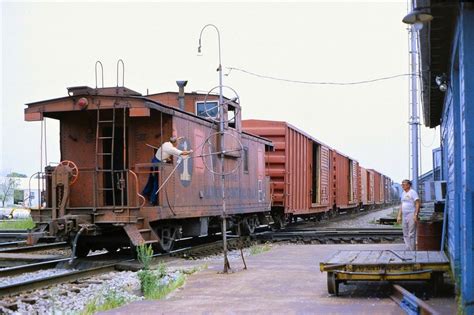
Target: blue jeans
{"x": 151, "y": 186}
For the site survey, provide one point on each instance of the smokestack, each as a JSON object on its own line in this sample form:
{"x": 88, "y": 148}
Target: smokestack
{"x": 181, "y": 85}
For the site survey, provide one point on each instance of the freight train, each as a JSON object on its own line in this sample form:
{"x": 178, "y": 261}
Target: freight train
{"x": 94, "y": 197}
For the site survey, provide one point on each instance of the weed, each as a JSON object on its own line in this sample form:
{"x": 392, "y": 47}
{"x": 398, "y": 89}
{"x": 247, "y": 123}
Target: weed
{"x": 148, "y": 281}
{"x": 161, "y": 291}
{"x": 161, "y": 270}
{"x": 21, "y": 224}
{"x": 194, "y": 269}
{"x": 145, "y": 255}
{"x": 258, "y": 249}
{"x": 111, "y": 300}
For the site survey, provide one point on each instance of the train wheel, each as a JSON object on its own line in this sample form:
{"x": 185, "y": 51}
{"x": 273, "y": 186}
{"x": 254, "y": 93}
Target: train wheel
{"x": 82, "y": 250}
{"x": 167, "y": 235}
{"x": 249, "y": 224}
{"x": 333, "y": 284}
{"x": 279, "y": 221}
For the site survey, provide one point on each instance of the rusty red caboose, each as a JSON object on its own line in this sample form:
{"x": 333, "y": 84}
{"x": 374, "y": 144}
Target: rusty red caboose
{"x": 94, "y": 195}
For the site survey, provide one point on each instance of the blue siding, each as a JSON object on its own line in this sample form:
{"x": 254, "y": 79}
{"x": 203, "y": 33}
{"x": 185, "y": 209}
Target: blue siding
{"x": 466, "y": 71}
{"x": 451, "y": 147}
{"x": 458, "y": 156}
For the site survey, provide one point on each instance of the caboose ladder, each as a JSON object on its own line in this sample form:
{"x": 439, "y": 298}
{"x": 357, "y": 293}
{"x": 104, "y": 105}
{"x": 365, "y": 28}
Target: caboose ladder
{"x": 100, "y": 155}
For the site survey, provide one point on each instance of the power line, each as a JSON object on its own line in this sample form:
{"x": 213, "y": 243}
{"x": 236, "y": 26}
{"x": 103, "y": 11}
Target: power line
{"x": 315, "y": 82}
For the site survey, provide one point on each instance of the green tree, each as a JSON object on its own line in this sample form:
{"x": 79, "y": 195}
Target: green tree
{"x": 17, "y": 175}
{"x": 7, "y": 188}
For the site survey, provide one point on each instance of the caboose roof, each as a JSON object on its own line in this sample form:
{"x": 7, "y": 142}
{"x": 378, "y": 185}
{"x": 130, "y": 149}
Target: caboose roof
{"x": 105, "y": 98}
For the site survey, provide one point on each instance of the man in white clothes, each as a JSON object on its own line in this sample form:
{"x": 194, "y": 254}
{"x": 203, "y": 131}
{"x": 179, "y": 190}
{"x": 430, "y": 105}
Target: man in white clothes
{"x": 169, "y": 149}
{"x": 163, "y": 154}
{"x": 409, "y": 211}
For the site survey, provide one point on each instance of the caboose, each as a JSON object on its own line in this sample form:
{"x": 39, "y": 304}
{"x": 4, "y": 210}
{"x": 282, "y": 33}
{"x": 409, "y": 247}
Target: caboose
{"x": 94, "y": 195}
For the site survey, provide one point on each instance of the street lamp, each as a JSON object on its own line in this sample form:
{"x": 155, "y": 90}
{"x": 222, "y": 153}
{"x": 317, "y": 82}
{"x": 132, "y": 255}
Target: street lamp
{"x": 417, "y": 16}
{"x": 415, "y": 19}
{"x": 221, "y": 141}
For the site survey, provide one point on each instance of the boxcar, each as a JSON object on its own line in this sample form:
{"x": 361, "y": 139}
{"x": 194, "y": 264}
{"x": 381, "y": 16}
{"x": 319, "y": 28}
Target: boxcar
{"x": 347, "y": 183}
{"x": 95, "y": 194}
{"x": 300, "y": 170}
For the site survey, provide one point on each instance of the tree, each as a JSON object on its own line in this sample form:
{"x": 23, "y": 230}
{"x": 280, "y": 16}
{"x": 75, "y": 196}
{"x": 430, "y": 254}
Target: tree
{"x": 17, "y": 175}
{"x": 7, "y": 188}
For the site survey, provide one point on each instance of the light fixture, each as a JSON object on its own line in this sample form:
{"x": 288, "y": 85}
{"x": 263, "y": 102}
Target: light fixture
{"x": 417, "y": 16}
{"x": 199, "y": 48}
{"x": 442, "y": 82}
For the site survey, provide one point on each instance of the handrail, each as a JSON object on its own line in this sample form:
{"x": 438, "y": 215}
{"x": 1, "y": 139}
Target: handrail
{"x": 102, "y": 72}
{"x": 123, "y": 72}
{"x": 136, "y": 189}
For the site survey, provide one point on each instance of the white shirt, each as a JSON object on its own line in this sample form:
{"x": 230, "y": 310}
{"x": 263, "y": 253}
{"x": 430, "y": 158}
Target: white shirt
{"x": 408, "y": 200}
{"x": 166, "y": 150}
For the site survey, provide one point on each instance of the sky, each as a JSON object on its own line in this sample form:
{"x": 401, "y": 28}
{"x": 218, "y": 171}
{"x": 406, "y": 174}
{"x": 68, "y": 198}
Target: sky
{"x": 47, "y": 47}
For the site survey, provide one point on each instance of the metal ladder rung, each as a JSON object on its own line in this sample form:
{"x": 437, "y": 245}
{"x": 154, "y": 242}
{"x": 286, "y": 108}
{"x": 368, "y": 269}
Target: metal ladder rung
{"x": 102, "y": 153}
{"x": 108, "y": 189}
{"x": 99, "y": 170}
{"x": 105, "y": 121}
{"x": 105, "y": 138}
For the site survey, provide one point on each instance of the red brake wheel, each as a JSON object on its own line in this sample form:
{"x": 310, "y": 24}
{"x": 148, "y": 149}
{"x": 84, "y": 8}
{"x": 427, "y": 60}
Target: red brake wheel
{"x": 74, "y": 170}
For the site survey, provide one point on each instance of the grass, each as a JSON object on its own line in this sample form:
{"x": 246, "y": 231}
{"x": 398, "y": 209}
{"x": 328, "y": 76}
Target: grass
{"x": 111, "y": 301}
{"x": 258, "y": 249}
{"x": 161, "y": 291}
{"x": 21, "y": 224}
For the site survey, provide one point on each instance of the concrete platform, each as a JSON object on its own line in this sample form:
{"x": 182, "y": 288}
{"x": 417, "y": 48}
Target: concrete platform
{"x": 284, "y": 280}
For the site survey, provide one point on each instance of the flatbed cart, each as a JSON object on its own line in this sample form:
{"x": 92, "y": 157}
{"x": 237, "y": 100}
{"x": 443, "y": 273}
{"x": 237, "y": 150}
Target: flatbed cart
{"x": 385, "y": 265}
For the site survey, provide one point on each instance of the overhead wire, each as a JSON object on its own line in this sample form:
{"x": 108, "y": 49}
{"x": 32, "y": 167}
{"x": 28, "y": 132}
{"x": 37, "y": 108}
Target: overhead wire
{"x": 262, "y": 76}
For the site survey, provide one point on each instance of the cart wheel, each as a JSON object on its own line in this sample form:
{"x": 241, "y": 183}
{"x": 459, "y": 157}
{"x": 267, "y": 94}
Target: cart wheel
{"x": 437, "y": 283}
{"x": 333, "y": 284}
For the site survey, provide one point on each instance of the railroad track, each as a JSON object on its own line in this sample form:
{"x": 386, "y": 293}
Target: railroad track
{"x": 121, "y": 264}
{"x": 333, "y": 235}
{"x": 305, "y": 235}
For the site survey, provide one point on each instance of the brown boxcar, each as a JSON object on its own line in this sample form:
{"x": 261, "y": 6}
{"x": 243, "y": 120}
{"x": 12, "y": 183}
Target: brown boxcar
{"x": 379, "y": 191}
{"x": 300, "y": 169}
{"x": 346, "y": 181}
{"x": 103, "y": 141}
{"x": 364, "y": 192}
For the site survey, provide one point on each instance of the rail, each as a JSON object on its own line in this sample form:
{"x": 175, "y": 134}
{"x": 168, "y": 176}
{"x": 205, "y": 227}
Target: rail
{"x": 410, "y": 303}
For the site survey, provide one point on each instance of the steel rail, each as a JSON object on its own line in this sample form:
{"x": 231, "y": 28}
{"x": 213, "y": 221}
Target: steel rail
{"x": 6, "y": 244}
{"x": 330, "y": 235}
{"x": 24, "y": 249}
{"x": 410, "y": 303}
{"x": 16, "y": 270}
{"x": 51, "y": 280}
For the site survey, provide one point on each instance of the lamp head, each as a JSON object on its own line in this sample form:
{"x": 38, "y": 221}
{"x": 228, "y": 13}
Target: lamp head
{"x": 199, "y": 46}
{"x": 417, "y": 16}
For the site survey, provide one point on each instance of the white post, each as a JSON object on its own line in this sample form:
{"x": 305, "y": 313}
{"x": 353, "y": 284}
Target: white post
{"x": 414, "y": 118}
{"x": 221, "y": 143}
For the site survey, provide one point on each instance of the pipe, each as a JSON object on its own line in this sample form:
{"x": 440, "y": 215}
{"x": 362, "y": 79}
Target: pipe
{"x": 445, "y": 219}
{"x": 74, "y": 244}
{"x": 181, "y": 85}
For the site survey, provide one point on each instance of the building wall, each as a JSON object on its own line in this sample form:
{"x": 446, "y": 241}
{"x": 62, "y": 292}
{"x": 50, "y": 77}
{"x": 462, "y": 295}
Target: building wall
{"x": 458, "y": 157}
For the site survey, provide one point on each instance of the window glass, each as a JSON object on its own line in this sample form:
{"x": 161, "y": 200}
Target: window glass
{"x": 246, "y": 160}
{"x": 211, "y": 107}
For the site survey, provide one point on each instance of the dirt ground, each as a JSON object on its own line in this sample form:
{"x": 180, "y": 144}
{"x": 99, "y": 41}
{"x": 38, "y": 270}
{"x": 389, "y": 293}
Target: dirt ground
{"x": 284, "y": 280}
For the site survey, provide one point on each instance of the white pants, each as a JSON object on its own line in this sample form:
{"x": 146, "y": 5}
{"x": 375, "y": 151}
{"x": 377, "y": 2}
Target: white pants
{"x": 409, "y": 230}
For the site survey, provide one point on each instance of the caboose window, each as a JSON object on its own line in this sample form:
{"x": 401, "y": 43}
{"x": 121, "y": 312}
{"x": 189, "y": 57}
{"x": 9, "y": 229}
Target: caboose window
{"x": 246, "y": 160}
{"x": 207, "y": 109}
